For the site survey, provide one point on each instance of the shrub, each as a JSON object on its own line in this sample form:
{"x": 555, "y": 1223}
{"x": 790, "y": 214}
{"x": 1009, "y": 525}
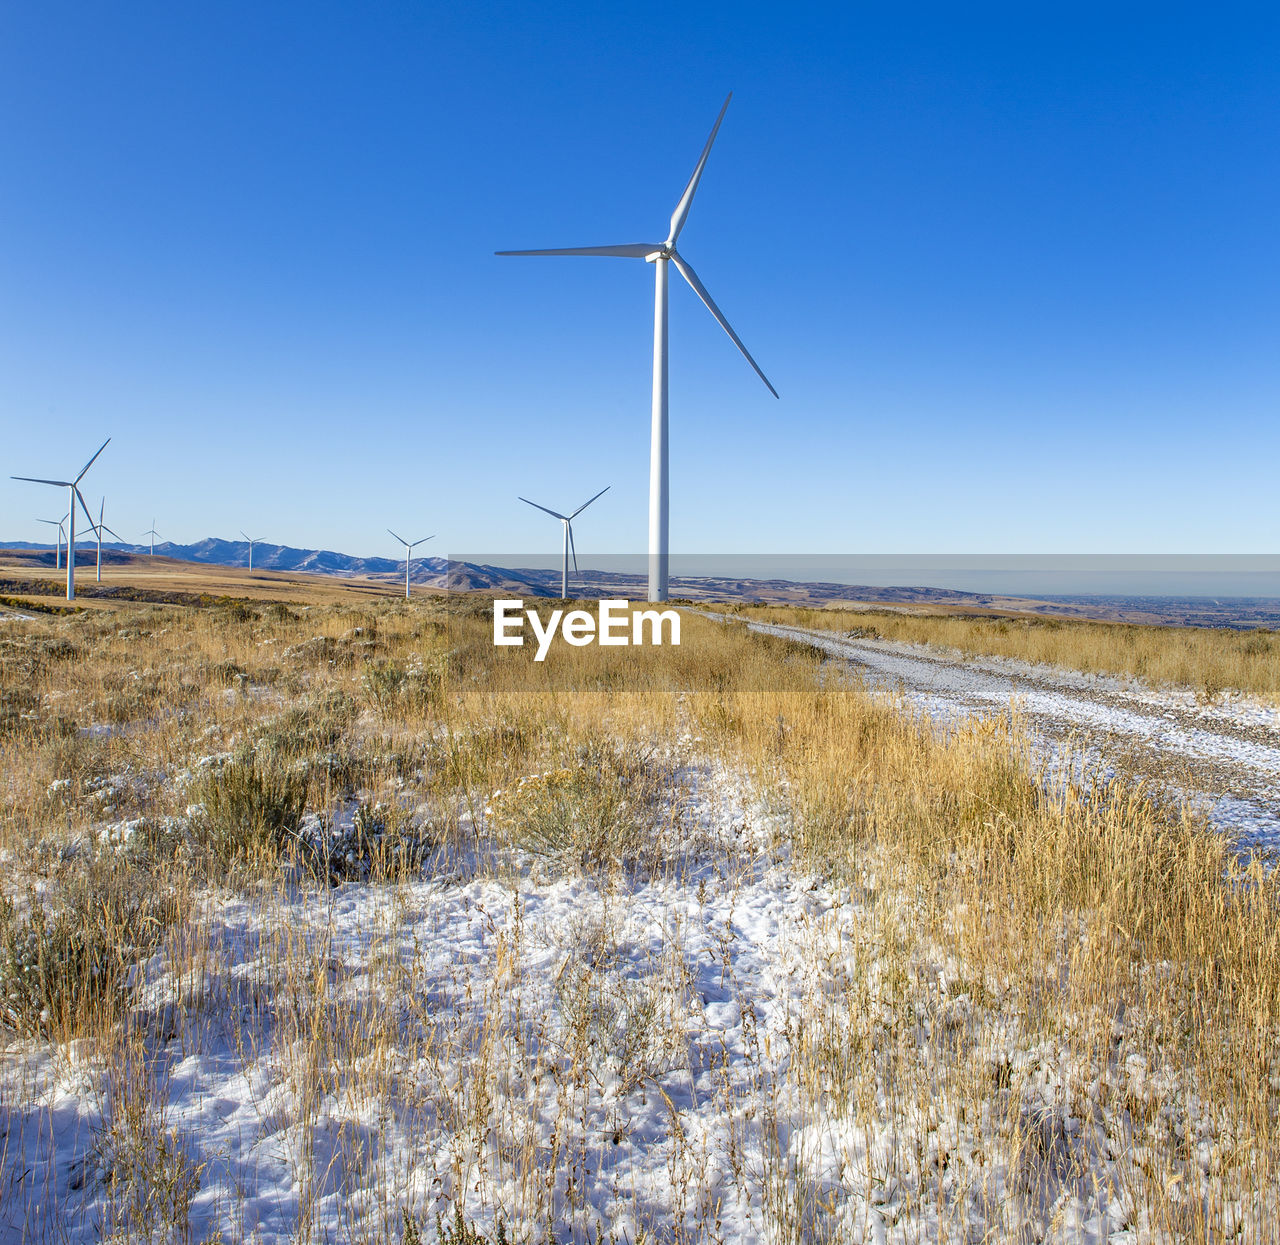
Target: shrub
{"x": 376, "y": 842}
{"x": 21, "y": 710}
{"x": 235, "y": 610}
{"x": 66, "y": 956}
{"x": 390, "y": 685}
{"x": 605, "y": 808}
{"x": 251, "y": 811}
{"x": 318, "y": 726}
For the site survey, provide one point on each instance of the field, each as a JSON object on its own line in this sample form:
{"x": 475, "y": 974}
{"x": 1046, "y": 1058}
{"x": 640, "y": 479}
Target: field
{"x": 325, "y": 920}
{"x": 1208, "y": 660}
{"x": 26, "y": 580}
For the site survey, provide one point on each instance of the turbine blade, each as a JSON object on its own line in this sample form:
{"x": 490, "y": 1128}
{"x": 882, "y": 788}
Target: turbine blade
{"x": 422, "y": 540}
{"x": 534, "y": 504}
{"x": 573, "y": 548}
{"x": 36, "y": 480}
{"x": 117, "y": 535}
{"x": 102, "y": 505}
{"x": 628, "y": 250}
{"x": 701, "y": 291}
{"x": 681, "y": 214}
{"x": 87, "y": 515}
{"x": 246, "y": 535}
{"x": 91, "y": 461}
{"x": 585, "y": 504}
{"x": 401, "y": 539}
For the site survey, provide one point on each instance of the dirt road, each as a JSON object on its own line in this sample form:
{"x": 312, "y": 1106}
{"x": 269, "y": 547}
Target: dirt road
{"x": 1225, "y": 756}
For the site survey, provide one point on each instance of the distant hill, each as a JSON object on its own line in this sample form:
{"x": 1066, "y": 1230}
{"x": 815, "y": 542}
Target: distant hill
{"x": 269, "y": 557}
{"x": 480, "y": 577}
{"x": 460, "y": 576}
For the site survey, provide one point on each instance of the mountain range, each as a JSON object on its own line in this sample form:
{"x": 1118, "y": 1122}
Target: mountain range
{"x": 463, "y": 576}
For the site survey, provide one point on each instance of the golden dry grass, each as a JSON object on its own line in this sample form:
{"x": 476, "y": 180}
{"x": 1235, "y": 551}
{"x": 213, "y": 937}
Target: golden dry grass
{"x": 1024, "y": 981}
{"x": 162, "y": 575}
{"x": 1209, "y": 661}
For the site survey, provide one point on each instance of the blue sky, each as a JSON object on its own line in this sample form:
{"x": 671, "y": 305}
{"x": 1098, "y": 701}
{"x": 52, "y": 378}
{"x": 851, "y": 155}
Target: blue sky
{"x": 1012, "y": 270}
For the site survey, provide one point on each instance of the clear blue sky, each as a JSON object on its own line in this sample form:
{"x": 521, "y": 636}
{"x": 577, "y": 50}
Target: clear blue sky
{"x": 1013, "y": 272}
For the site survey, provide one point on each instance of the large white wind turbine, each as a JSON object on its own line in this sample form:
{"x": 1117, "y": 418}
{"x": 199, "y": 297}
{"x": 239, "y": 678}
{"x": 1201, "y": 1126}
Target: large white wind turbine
{"x": 567, "y": 520}
{"x": 57, "y": 563}
{"x": 253, "y": 540}
{"x": 98, "y": 528}
{"x": 151, "y": 531}
{"x": 73, "y": 496}
{"x": 409, "y": 546}
{"x": 658, "y": 254}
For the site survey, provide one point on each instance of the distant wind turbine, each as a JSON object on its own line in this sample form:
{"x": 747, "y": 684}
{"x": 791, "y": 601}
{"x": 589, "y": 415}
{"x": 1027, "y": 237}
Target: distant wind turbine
{"x": 658, "y": 254}
{"x": 57, "y": 565}
{"x": 98, "y": 529}
{"x": 409, "y": 546}
{"x": 567, "y": 520}
{"x": 151, "y": 531}
{"x": 73, "y": 496}
{"x": 253, "y": 540}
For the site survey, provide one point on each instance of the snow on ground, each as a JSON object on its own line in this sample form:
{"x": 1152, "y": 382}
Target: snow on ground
{"x": 448, "y": 958}
{"x": 651, "y": 1054}
{"x": 730, "y": 1049}
{"x": 1231, "y": 751}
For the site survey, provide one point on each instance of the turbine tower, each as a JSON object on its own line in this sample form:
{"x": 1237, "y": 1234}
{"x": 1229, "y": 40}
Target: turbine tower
{"x": 659, "y": 254}
{"x": 57, "y": 564}
{"x": 567, "y": 520}
{"x": 151, "y": 531}
{"x": 409, "y": 546}
{"x": 99, "y": 528}
{"x": 253, "y": 540}
{"x": 72, "y": 486}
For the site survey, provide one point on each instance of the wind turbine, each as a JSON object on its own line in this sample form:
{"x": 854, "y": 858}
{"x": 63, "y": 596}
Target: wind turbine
{"x": 409, "y": 547}
{"x": 151, "y": 531}
{"x": 98, "y": 529}
{"x": 73, "y": 496}
{"x": 253, "y": 540}
{"x": 659, "y": 254}
{"x": 57, "y": 565}
{"x": 567, "y": 520}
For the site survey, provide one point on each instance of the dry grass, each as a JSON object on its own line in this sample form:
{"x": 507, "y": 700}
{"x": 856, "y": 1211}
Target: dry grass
{"x": 1098, "y": 939}
{"x": 1209, "y": 661}
{"x": 1019, "y": 988}
{"x": 189, "y": 581}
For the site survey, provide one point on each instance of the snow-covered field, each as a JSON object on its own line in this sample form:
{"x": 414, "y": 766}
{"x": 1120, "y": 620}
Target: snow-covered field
{"x": 576, "y": 1053}
{"x": 717, "y": 1034}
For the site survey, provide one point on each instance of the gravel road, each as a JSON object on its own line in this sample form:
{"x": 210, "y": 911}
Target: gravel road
{"x": 1224, "y": 757}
